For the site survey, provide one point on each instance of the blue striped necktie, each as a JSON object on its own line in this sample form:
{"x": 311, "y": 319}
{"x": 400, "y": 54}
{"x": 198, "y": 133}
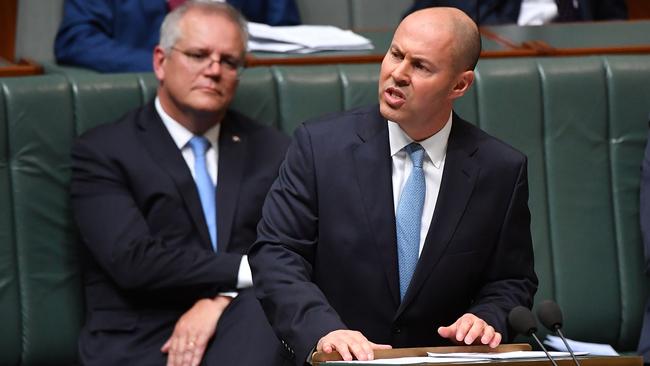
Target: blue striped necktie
{"x": 199, "y": 146}
{"x": 409, "y": 218}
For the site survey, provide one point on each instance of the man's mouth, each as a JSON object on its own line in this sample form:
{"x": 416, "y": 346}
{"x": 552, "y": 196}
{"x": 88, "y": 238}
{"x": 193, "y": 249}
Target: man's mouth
{"x": 394, "y": 97}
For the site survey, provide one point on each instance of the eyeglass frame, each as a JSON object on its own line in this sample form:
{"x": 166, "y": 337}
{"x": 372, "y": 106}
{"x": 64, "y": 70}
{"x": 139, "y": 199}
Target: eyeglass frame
{"x": 197, "y": 57}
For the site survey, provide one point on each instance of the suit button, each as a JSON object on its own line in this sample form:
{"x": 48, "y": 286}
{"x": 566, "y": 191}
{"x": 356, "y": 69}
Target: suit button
{"x": 397, "y": 330}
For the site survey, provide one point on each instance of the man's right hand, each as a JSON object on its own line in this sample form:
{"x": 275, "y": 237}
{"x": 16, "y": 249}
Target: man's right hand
{"x": 193, "y": 331}
{"x": 349, "y": 344}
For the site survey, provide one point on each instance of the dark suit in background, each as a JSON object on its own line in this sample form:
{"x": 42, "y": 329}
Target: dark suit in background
{"x": 484, "y": 12}
{"x": 493, "y": 12}
{"x": 119, "y": 35}
{"x": 156, "y": 290}
{"x": 150, "y": 256}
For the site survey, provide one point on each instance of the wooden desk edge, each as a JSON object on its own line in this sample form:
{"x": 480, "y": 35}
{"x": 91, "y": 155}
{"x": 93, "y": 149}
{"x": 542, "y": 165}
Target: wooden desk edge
{"x": 422, "y": 351}
{"x": 24, "y": 67}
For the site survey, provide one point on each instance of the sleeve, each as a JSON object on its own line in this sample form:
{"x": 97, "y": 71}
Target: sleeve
{"x": 118, "y": 237}
{"x": 86, "y": 38}
{"x": 510, "y": 278}
{"x": 282, "y": 257}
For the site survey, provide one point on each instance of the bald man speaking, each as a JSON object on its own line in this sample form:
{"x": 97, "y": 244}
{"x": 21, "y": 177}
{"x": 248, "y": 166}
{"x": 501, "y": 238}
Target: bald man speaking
{"x": 398, "y": 225}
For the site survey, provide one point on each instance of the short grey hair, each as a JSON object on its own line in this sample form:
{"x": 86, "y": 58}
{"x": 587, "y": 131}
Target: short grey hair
{"x": 170, "y": 30}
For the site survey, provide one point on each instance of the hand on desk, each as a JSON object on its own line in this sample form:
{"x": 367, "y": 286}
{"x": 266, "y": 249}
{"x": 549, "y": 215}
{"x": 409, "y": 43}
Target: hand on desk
{"x": 349, "y": 344}
{"x": 193, "y": 331}
{"x": 470, "y": 329}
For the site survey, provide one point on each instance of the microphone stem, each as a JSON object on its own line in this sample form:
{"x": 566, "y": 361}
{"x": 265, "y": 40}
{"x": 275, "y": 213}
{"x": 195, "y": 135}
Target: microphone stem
{"x": 544, "y": 349}
{"x": 567, "y": 346}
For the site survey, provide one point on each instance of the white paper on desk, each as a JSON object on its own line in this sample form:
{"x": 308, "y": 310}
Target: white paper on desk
{"x": 597, "y": 349}
{"x": 311, "y": 38}
{"x": 502, "y": 355}
{"x": 403, "y": 361}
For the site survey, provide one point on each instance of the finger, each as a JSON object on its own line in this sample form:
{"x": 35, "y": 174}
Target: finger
{"x": 464, "y": 327}
{"x": 342, "y": 348}
{"x": 165, "y": 347}
{"x": 488, "y": 334}
{"x": 496, "y": 340}
{"x": 380, "y": 346}
{"x": 199, "y": 349}
{"x": 447, "y": 332}
{"x": 171, "y": 354}
{"x": 361, "y": 349}
{"x": 474, "y": 332}
{"x": 180, "y": 350}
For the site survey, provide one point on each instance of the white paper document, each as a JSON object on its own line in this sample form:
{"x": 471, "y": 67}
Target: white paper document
{"x": 516, "y": 355}
{"x": 404, "y": 361}
{"x": 304, "y": 39}
{"x": 597, "y": 349}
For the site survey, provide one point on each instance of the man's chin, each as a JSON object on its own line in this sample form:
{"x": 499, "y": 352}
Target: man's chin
{"x": 390, "y": 113}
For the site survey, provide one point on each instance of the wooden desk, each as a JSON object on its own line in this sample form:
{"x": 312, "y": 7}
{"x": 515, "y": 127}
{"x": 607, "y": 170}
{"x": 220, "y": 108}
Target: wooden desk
{"x": 321, "y": 359}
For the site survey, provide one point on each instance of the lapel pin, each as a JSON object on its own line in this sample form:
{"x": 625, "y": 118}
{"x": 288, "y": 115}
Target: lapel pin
{"x": 236, "y": 138}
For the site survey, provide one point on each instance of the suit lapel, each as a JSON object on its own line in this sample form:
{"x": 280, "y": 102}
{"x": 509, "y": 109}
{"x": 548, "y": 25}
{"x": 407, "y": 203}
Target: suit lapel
{"x": 159, "y": 143}
{"x": 232, "y": 157}
{"x": 458, "y": 180}
{"x": 373, "y": 167}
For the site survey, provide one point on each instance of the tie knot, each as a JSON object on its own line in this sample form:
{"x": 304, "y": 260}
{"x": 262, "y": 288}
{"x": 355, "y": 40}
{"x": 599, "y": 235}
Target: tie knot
{"x": 416, "y": 152}
{"x": 199, "y": 145}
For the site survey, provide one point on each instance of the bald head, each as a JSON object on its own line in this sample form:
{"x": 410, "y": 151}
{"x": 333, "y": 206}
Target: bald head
{"x": 453, "y": 24}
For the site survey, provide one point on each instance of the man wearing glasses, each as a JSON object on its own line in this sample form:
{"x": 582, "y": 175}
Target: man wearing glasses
{"x": 167, "y": 200}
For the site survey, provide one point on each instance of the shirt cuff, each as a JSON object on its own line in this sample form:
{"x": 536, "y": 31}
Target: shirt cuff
{"x": 244, "y": 277}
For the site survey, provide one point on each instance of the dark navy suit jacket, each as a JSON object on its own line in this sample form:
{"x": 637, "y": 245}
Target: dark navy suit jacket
{"x": 326, "y": 255}
{"x": 119, "y": 35}
{"x": 491, "y": 12}
{"x": 148, "y": 252}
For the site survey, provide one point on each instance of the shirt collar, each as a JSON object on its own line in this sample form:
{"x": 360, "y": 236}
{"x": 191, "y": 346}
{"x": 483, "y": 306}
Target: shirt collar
{"x": 182, "y": 135}
{"x": 435, "y": 146}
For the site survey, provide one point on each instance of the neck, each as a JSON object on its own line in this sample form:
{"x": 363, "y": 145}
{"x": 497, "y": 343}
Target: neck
{"x": 197, "y": 122}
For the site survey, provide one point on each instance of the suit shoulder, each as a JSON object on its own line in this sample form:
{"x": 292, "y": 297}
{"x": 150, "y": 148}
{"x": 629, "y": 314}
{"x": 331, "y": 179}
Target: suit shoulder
{"x": 107, "y": 133}
{"x": 340, "y": 121}
{"x": 489, "y": 148}
{"x": 257, "y": 130}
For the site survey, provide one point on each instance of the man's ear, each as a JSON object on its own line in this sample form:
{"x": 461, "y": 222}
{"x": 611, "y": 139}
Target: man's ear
{"x": 159, "y": 59}
{"x": 463, "y": 82}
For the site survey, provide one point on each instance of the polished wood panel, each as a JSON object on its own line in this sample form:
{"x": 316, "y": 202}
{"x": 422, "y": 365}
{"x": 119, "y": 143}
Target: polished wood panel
{"x": 638, "y": 9}
{"x": 8, "y": 15}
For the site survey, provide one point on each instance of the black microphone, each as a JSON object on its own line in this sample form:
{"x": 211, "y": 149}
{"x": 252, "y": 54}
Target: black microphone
{"x": 549, "y": 313}
{"x": 522, "y": 320}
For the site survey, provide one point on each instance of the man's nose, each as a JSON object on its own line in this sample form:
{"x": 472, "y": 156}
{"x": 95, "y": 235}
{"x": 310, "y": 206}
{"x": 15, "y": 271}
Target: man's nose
{"x": 401, "y": 73}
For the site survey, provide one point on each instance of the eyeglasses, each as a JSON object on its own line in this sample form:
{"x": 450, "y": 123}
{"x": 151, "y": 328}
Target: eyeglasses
{"x": 202, "y": 60}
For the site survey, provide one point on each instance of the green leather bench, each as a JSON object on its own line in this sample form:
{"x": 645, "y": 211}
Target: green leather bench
{"x": 582, "y": 121}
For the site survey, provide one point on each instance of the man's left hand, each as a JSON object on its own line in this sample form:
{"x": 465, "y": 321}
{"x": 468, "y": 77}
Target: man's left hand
{"x": 470, "y": 329}
{"x": 193, "y": 330}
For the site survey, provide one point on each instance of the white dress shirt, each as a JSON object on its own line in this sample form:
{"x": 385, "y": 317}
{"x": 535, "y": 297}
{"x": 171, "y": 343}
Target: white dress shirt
{"x": 435, "y": 148}
{"x": 181, "y": 137}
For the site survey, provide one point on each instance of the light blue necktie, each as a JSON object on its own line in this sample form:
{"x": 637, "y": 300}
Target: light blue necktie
{"x": 409, "y": 218}
{"x": 200, "y": 145}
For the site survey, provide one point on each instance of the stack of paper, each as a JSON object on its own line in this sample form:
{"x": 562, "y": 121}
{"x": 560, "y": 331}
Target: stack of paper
{"x": 304, "y": 39}
{"x": 593, "y": 348}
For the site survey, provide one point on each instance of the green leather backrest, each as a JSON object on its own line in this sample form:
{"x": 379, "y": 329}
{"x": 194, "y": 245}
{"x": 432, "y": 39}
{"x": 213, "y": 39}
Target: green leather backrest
{"x": 582, "y": 122}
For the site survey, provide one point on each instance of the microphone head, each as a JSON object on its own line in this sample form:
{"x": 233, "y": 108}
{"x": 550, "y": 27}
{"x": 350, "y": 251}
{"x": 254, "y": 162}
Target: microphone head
{"x": 521, "y": 319}
{"x": 550, "y": 315}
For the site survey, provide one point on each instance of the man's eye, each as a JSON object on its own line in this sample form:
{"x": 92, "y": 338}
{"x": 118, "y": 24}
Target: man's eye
{"x": 396, "y": 54}
{"x": 197, "y": 56}
{"x": 230, "y": 63}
